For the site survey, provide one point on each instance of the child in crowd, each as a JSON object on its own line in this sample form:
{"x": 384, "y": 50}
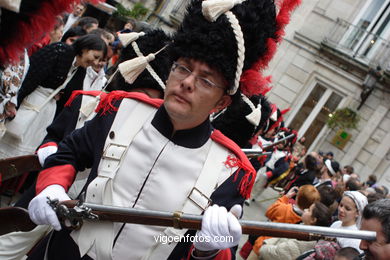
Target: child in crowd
{"x": 349, "y": 214}
{"x": 287, "y": 248}
{"x": 347, "y": 253}
{"x": 283, "y": 211}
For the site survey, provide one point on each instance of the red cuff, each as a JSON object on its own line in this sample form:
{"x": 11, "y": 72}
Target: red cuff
{"x": 48, "y": 144}
{"x": 224, "y": 254}
{"x": 269, "y": 174}
{"x": 62, "y": 175}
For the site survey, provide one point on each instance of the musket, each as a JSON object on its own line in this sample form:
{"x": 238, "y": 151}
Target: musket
{"x": 16, "y": 166}
{"x": 258, "y": 152}
{"x": 75, "y": 215}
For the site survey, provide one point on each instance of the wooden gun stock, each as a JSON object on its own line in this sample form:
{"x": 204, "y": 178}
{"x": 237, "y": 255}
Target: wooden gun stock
{"x": 15, "y": 219}
{"x": 16, "y": 166}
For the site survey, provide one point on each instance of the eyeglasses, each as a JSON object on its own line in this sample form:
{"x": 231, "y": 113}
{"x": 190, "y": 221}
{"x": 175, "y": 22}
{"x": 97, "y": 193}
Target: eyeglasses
{"x": 181, "y": 72}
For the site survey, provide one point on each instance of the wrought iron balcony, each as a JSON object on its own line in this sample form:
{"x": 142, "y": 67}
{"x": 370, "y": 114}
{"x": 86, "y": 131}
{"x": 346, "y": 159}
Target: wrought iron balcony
{"x": 358, "y": 44}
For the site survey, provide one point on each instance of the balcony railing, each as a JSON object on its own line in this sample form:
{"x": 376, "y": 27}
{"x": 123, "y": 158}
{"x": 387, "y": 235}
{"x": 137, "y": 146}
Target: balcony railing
{"x": 359, "y": 44}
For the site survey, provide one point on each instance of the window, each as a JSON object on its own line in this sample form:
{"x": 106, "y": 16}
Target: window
{"x": 368, "y": 37}
{"x": 313, "y": 114}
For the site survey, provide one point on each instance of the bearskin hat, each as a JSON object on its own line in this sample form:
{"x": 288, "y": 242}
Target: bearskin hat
{"x": 239, "y": 43}
{"x": 234, "y": 124}
{"x": 151, "y": 42}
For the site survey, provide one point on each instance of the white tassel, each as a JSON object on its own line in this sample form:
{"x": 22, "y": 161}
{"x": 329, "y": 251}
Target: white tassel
{"x": 255, "y": 116}
{"x": 127, "y": 38}
{"x": 274, "y": 116}
{"x": 212, "y": 9}
{"x": 88, "y": 108}
{"x": 130, "y": 69}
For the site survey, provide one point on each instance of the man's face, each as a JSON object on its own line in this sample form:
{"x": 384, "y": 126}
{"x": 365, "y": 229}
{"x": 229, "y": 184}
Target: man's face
{"x": 78, "y": 10}
{"x": 378, "y": 249}
{"x": 186, "y": 100}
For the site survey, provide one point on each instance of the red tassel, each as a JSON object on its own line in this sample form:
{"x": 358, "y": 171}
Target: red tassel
{"x": 241, "y": 161}
{"x": 76, "y": 93}
{"x": 253, "y": 83}
{"x": 107, "y": 104}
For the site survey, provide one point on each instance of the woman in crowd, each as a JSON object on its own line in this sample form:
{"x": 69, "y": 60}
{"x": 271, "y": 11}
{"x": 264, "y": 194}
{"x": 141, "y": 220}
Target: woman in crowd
{"x": 282, "y": 211}
{"x": 349, "y": 214}
{"x": 51, "y": 69}
{"x": 287, "y": 248}
{"x": 73, "y": 34}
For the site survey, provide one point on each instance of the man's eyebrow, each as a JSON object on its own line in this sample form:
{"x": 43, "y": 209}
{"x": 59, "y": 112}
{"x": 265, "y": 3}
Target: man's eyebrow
{"x": 206, "y": 72}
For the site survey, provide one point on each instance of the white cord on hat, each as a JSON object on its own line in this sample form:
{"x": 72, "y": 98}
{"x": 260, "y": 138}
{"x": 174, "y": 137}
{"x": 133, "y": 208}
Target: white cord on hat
{"x": 211, "y": 10}
{"x": 131, "y": 69}
{"x": 255, "y": 116}
{"x": 240, "y": 50}
{"x": 148, "y": 67}
{"x": 127, "y": 38}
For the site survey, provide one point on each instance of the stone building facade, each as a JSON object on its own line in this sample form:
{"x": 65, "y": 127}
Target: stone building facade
{"x": 333, "y": 50}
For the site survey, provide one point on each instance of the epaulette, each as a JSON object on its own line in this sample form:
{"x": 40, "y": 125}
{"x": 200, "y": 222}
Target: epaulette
{"x": 241, "y": 161}
{"x": 76, "y": 93}
{"x": 107, "y": 104}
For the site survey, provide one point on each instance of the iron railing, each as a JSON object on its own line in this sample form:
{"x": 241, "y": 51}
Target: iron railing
{"x": 359, "y": 44}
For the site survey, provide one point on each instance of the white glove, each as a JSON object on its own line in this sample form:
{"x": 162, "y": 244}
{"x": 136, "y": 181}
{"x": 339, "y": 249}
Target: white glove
{"x": 218, "y": 226}
{"x": 41, "y": 213}
{"x": 45, "y": 152}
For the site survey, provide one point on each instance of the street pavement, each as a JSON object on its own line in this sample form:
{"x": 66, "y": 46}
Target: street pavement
{"x": 256, "y": 211}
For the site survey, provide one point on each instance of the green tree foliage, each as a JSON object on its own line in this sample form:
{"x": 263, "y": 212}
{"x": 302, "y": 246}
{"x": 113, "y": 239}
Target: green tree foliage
{"x": 343, "y": 118}
{"x": 137, "y": 12}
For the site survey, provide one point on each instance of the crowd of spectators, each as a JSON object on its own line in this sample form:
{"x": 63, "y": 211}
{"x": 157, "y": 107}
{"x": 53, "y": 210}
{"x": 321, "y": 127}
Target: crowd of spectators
{"x": 341, "y": 203}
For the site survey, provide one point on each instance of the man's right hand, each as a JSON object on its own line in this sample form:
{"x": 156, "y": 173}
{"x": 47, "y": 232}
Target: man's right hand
{"x": 41, "y": 213}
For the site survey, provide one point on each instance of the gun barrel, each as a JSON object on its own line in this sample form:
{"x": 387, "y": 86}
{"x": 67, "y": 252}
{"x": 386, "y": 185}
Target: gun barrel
{"x": 255, "y": 152}
{"x": 303, "y": 232}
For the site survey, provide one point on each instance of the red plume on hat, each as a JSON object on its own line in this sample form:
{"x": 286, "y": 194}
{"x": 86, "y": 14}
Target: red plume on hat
{"x": 252, "y": 81}
{"x": 28, "y": 25}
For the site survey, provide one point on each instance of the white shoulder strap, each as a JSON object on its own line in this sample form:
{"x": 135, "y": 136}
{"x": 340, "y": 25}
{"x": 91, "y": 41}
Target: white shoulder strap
{"x": 128, "y": 121}
{"x": 55, "y": 92}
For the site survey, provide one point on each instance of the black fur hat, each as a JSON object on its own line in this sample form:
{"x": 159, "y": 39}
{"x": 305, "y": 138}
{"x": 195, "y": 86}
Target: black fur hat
{"x": 214, "y": 42}
{"x": 233, "y": 123}
{"x": 151, "y": 42}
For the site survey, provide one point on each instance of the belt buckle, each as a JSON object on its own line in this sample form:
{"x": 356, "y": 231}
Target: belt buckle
{"x": 111, "y": 157}
{"x": 202, "y": 195}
